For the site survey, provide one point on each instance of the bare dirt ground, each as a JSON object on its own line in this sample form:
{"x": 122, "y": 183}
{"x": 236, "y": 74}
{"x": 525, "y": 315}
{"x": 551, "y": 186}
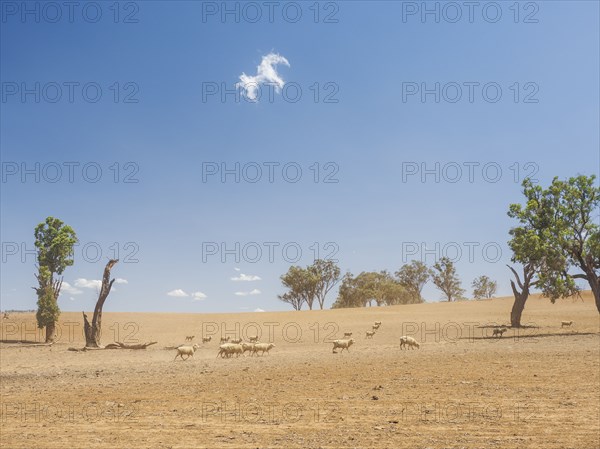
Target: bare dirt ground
{"x": 534, "y": 388}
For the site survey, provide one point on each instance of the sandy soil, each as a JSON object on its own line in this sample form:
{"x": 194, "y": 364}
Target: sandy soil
{"x": 535, "y": 388}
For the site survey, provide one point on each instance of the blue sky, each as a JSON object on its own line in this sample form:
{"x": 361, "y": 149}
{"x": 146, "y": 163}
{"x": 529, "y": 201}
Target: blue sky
{"x": 373, "y": 217}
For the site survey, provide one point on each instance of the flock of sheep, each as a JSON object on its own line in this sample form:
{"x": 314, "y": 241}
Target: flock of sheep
{"x": 230, "y": 347}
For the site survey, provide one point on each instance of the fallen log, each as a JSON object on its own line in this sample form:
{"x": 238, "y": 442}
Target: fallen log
{"x": 116, "y": 345}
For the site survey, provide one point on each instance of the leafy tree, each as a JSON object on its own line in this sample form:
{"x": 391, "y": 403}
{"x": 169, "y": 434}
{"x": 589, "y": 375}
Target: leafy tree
{"x": 367, "y": 287}
{"x": 414, "y": 276}
{"x": 575, "y": 233}
{"x": 54, "y": 242}
{"x": 302, "y": 284}
{"x": 327, "y": 275}
{"x": 484, "y": 287}
{"x": 349, "y": 294}
{"x": 557, "y": 234}
{"x": 530, "y": 245}
{"x": 445, "y": 278}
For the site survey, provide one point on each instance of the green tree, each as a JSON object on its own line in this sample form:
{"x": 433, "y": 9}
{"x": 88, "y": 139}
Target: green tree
{"x": 556, "y": 235}
{"x": 484, "y": 287}
{"x": 575, "y": 234}
{"x": 413, "y": 277}
{"x": 367, "y": 287}
{"x": 445, "y": 278}
{"x": 54, "y": 242}
{"x": 302, "y": 284}
{"x": 327, "y": 275}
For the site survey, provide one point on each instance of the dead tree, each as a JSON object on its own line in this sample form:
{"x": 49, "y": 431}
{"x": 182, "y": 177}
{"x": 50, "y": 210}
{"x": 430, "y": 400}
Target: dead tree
{"x": 92, "y": 332}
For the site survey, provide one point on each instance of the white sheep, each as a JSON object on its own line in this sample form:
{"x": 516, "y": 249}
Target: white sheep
{"x": 237, "y": 341}
{"x": 377, "y": 323}
{"x": 375, "y": 327}
{"x": 185, "y": 350}
{"x": 253, "y": 338}
{"x": 499, "y": 332}
{"x": 247, "y": 347}
{"x": 189, "y": 338}
{"x": 344, "y": 344}
{"x": 206, "y": 339}
{"x": 228, "y": 349}
{"x": 347, "y": 334}
{"x": 369, "y": 334}
{"x": 263, "y": 347}
{"x": 224, "y": 339}
{"x": 566, "y": 323}
{"x": 408, "y": 341}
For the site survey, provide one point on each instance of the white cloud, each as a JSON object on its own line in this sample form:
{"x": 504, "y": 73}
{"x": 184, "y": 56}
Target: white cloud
{"x": 68, "y": 288}
{"x": 265, "y": 74}
{"x": 72, "y": 299}
{"x": 177, "y": 293}
{"x": 253, "y": 292}
{"x": 88, "y": 283}
{"x": 236, "y": 268}
{"x": 198, "y": 296}
{"x": 259, "y": 310}
{"x": 246, "y": 277}
{"x": 121, "y": 281}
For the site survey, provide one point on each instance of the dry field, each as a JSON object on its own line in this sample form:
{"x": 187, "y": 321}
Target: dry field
{"x": 536, "y": 388}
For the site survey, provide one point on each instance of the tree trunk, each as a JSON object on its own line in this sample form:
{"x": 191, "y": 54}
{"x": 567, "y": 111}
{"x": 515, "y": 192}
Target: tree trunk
{"x": 595, "y": 285}
{"x": 93, "y": 331}
{"x": 50, "y": 332}
{"x": 520, "y": 296}
{"x": 517, "y": 309}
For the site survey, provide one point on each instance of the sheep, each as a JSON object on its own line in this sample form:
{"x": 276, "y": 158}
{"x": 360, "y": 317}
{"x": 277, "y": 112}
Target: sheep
{"x": 344, "y": 344}
{"x": 185, "y": 350}
{"x": 224, "y": 339}
{"x": 206, "y": 339}
{"x": 377, "y": 323}
{"x": 408, "y": 341}
{"x": 190, "y": 338}
{"x": 247, "y": 347}
{"x": 347, "y": 334}
{"x": 566, "y": 323}
{"x": 237, "y": 341}
{"x": 228, "y": 349}
{"x": 253, "y": 338}
{"x": 375, "y": 327}
{"x": 499, "y": 332}
{"x": 264, "y": 347}
{"x": 369, "y": 334}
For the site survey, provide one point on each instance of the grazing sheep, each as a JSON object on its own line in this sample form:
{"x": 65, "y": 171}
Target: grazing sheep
{"x": 253, "y": 338}
{"x": 237, "y": 341}
{"x": 369, "y": 334}
{"x": 344, "y": 344}
{"x": 347, "y": 334}
{"x": 247, "y": 347}
{"x": 190, "y": 338}
{"x": 224, "y": 339}
{"x": 228, "y": 349}
{"x": 185, "y": 350}
{"x": 566, "y": 323}
{"x": 408, "y": 341}
{"x": 206, "y": 339}
{"x": 499, "y": 332}
{"x": 377, "y": 323}
{"x": 264, "y": 347}
{"x": 375, "y": 327}
{"x": 5, "y": 317}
